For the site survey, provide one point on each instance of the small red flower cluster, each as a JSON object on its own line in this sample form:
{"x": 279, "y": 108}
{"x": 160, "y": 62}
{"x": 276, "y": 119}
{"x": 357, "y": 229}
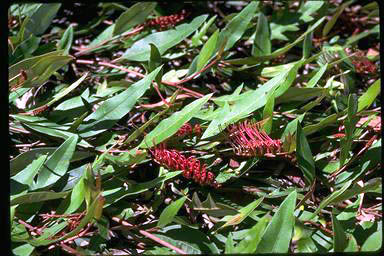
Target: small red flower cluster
{"x": 187, "y": 129}
{"x": 191, "y": 167}
{"x": 364, "y": 66}
{"x": 167, "y": 21}
{"x": 247, "y": 139}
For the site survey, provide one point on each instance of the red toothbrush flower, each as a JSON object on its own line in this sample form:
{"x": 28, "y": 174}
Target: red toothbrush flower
{"x": 247, "y": 139}
{"x": 187, "y": 129}
{"x": 191, "y": 167}
{"x": 167, "y": 21}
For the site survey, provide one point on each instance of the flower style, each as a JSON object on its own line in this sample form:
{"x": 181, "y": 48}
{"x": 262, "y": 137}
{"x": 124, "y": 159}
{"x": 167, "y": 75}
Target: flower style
{"x": 191, "y": 167}
{"x": 247, "y": 139}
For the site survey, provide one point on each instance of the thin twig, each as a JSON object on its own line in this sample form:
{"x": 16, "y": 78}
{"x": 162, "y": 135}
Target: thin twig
{"x": 149, "y": 235}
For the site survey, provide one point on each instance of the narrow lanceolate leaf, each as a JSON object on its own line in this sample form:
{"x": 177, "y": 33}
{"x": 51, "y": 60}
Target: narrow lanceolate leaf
{"x": 304, "y": 156}
{"x": 369, "y": 96}
{"x": 350, "y": 125}
{"x": 317, "y": 76}
{"x": 133, "y": 16}
{"x": 34, "y": 197}
{"x": 57, "y": 165}
{"x": 65, "y": 92}
{"x": 330, "y": 199}
{"x": 278, "y": 234}
{"x": 77, "y": 196}
{"x": 237, "y": 26}
{"x": 244, "y": 212}
{"x": 268, "y": 111}
{"x": 27, "y": 175}
{"x": 340, "y": 241}
{"x": 140, "y": 50}
{"x": 251, "y": 241}
{"x": 207, "y": 51}
{"x": 115, "y": 108}
{"x": 229, "y": 247}
{"x": 170, "y": 212}
{"x": 329, "y": 25}
{"x": 262, "y": 41}
{"x": 66, "y": 41}
{"x": 307, "y": 45}
{"x": 169, "y": 126}
{"x": 211, "y": 130}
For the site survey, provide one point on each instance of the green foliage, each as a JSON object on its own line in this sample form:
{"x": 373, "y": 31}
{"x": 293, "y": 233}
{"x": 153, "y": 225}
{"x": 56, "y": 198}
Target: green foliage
{"x": 96, "y": 92}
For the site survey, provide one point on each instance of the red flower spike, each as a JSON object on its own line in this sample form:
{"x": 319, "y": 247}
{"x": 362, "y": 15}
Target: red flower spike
{"x": 191, "y": 167}
{"x": 187, "y": 130}
{"x": 247, "y": 139}
{"x": 167, "y": 21}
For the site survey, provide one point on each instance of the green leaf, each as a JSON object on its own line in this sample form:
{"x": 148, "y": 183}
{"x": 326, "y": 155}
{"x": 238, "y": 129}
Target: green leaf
{"x": 237, "y": 26}
{"x": 309, "y": 129}
{"x": 34, "y": 197}
{"x": 257, "y": 59}
{"x": 307, "y": 45}
{"x": 304, "y": 156}
{"x": 23, "y": 250}
{"x": 154, "y": 58}
{"x": 276, "y": 70}
{"x": 56, "y": 133}
{"x": 252, "y": 100}
{"x": 77, "y": 196}
{"x": 268, "y": 111}
{"x": 253, "y": 237}
{"x": 107, "y": 34}
{"x": 133, "y": 16}
{"x": 170, "y": 212}
{"x": 27, "y": 175}
{"x": 18, "y": 163}
{"x": 140, "y": 50}
{"x": 243, "y": 213}
{"x": 308, "y": 8}
{"x": 198, "y": 35}
{"x": 340, "y": 240}
{"x": 113, "y": 195}
{"x": 315, "y": 79}
{"x": 142, "y": 128}
{"x": 278, "y": 234}
{"x": 41, "y": 19}
{"x": 262, "y": 42}
{"x": 374, "y": 242}
{"x": 36, "y": 67}
{"x": 369, "y": 96}
{"x": 57, "y": 164}
{"x": 329, "y": 25}
{"x": 115, "y": 108}
{"x": 277, "y": 30}
{"x": 66, "y": 91}
{"x": 350, "y": 125}
{"x": 229, "y": 247}
{"x": 207, "y": 51}
{"x": 212, "y": 127}
{"x": 66, "y": 40}
{"x": 330, "y": 199}
{"x": 44, "y": 68}
{"x": 292, "y": 126}
{"x": 169, "y": 126}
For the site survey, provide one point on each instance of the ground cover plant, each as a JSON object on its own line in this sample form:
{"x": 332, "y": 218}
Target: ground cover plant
{"x": 195, "y": 128}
